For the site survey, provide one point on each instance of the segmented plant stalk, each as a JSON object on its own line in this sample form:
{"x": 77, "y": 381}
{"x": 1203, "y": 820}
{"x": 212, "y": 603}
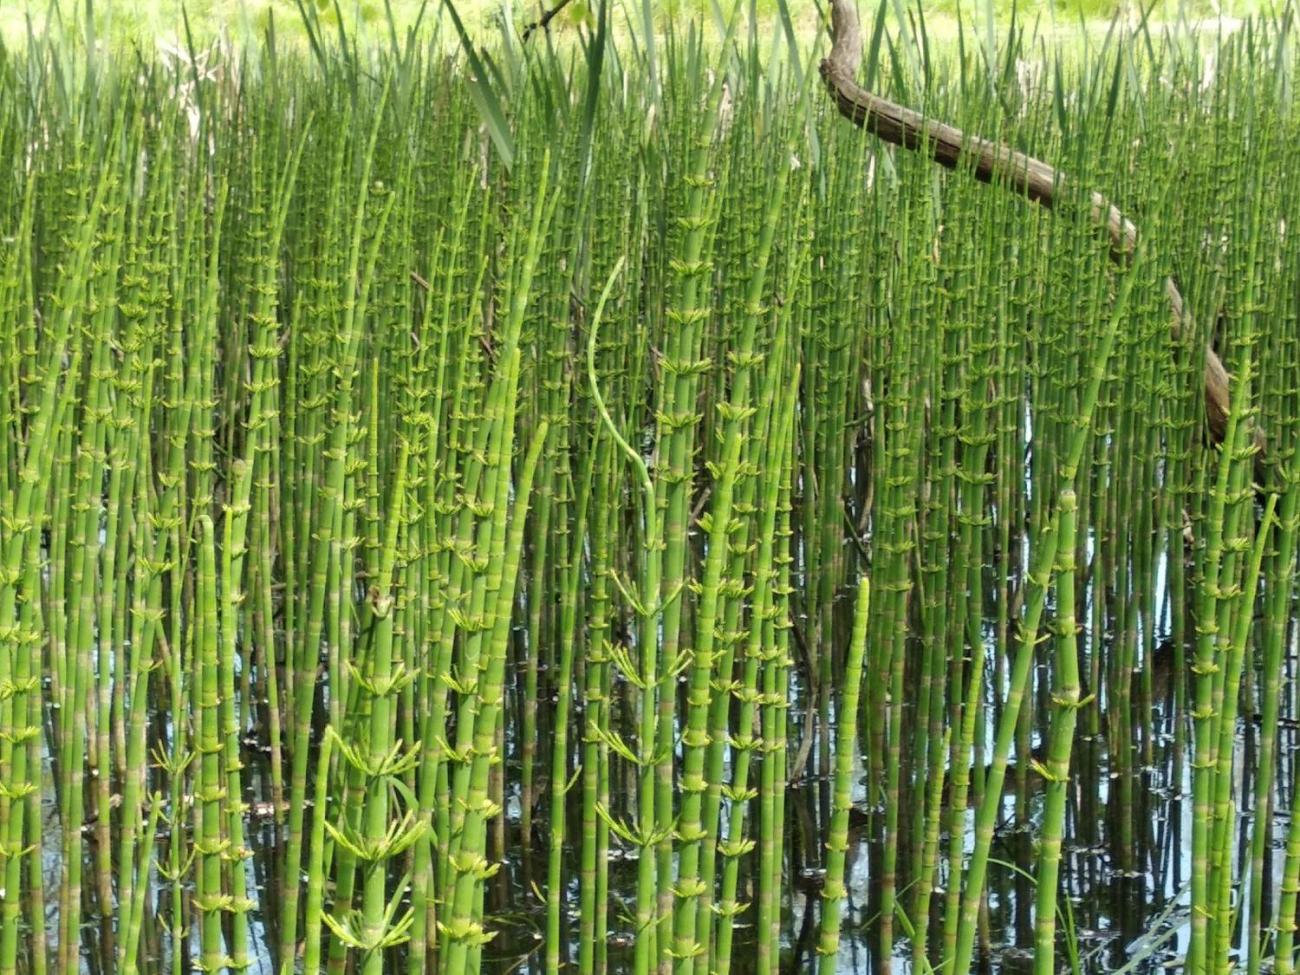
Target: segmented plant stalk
{"x": 594, "y": 870}
{"x": 333, "y": 499}
{"x": 837, "y": 842}
{"x": 1039, "y": 579}
{"x": 1067, "y": 698}
{"x": 211, "y": 795}
{"x": 465, "y": 931}
{"x": 760, "y": 650}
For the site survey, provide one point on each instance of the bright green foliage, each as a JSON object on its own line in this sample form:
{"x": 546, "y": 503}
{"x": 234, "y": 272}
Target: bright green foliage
{"x": 437, "y": 495}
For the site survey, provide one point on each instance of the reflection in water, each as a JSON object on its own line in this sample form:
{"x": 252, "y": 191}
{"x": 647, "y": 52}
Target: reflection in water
{"x": 1125, "y": 871}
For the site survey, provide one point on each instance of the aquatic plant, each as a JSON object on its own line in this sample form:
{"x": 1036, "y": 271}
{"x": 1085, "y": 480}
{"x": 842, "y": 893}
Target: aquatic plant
{"x": 440, "y": 486}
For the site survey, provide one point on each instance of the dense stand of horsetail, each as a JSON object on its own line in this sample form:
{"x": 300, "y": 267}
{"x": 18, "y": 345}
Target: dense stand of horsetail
{"x": 580, "y": 504}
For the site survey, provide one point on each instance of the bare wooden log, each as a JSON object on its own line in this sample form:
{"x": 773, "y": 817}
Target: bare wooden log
{"x": 993, "y": 162}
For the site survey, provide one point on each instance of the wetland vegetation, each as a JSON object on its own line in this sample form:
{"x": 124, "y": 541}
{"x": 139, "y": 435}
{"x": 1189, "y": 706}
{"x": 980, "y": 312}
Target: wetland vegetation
{"x": 586, "y": 506}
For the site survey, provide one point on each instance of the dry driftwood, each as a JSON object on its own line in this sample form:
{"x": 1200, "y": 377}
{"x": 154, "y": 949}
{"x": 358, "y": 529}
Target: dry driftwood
{"x": 990, "y": 162}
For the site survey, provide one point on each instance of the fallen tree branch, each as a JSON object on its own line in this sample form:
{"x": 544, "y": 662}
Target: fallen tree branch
{"x": 544, "y": 21}
{"x": 993, "y": 162}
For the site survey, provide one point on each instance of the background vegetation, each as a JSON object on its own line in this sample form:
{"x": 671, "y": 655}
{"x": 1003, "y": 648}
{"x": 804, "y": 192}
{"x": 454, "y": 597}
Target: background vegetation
{"x": 245, "y": 20}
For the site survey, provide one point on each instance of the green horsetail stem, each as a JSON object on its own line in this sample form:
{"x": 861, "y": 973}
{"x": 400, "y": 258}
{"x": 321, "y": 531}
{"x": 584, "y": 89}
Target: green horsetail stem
{"x": 697, "y": 822}
{"x": 777, "y": 416}
{"x": 593, "y": 866}
{"x": 212, "y": 794}
{"x": 646, "y": 676}
{"x": 1048, "y": 541}
{"x": 133, "y": 923}
{"x": 465, "y": 932}
{"x": 837, "y": 843}
{"x": 1067, "y": 699}
{"x": 322, "y": 557}
{"x": 314, "y": 907}
{"x": 1218, "y": 580}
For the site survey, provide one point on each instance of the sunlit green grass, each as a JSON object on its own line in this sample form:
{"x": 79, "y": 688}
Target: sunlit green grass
{"x": 244, "y": 21}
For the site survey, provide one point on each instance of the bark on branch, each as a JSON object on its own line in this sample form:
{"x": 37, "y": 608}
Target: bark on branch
{"x": 544, "y": 22}
{"x": 993, "y": 162}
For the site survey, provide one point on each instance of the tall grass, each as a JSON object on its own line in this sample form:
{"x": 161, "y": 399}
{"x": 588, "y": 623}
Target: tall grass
{"x": 438, "y": 494}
